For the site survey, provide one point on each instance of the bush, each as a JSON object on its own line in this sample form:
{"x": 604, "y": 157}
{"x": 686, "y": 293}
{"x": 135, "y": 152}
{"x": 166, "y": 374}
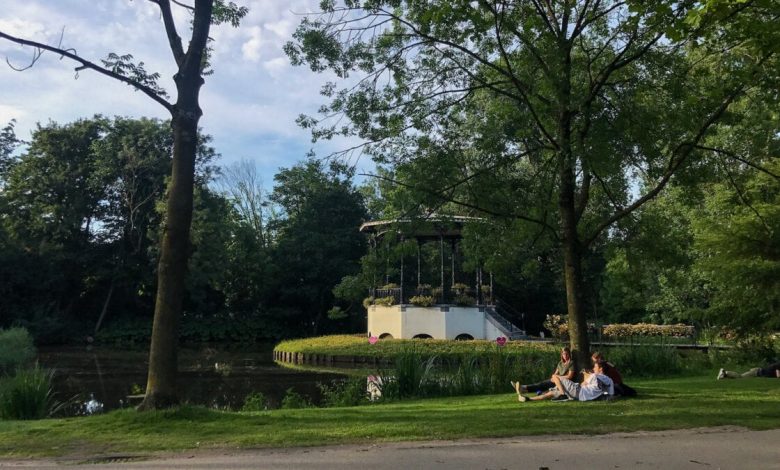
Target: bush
{"x": 16, "y": 349}
{"x": 27, "y": 395}
{"x": 422, "y": 300}
{"x": 293, "y": 399}
{"x": 384, "y": 301}
{"x": 463, "y": 300}
{"x": 348, "y": 392}
{"x": 625, "y": 330}
{"x": 255, "y": 401}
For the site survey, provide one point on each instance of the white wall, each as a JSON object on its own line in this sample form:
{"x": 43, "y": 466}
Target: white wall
{"x": 431, "y": 321}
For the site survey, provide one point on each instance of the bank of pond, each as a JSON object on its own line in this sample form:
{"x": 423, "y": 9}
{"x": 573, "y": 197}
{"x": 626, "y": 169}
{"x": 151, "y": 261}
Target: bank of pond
{"x": 340, "y": 370}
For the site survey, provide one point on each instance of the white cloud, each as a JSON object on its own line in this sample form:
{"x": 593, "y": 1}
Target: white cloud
{"x": 250, "y": 102}
{"x": 251, "y": 48}
{"x": 276, "y": 66}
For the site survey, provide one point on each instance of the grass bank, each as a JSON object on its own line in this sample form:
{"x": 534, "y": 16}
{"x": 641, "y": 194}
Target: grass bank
{"x": 664, "y": 404}
{"x": 351, "y": 345}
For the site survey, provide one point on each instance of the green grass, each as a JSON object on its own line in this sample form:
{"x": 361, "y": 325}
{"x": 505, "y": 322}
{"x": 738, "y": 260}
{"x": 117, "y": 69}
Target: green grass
{"x": 664, "y": 404}
{"x": 350, "y": 345}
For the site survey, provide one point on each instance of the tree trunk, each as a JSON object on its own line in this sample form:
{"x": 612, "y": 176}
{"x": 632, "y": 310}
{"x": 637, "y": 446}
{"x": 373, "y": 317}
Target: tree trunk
{"x": 572, "y": 247}
{"x": 172, "y": 270}
{"x": 161, "y": 391}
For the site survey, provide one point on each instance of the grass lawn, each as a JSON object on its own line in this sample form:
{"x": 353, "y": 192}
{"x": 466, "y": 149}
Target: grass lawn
{"x": 664, "y": 404}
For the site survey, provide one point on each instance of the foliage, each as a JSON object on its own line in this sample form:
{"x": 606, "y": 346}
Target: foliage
{"x": 28, "y": 394}
{"x": 463, "y": 300}
{"x": 16, "y": 349}
{"x": 557, "y": 326}
{"x": 565, "y": 119}
{"x": 384, "y": 301}
{"x": 318, "y": 244}
{"x": 738, "y": 238}
{"x": 255, "y": 401}
{"x": 294, "y": 400}
{"x": 347, "y": 392}
{"x": 645, "y": 329}
{"x": 422, "y": 300}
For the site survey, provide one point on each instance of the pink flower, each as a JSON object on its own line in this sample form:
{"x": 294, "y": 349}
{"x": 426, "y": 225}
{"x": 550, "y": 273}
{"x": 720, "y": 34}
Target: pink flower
{"x": 373, "y": 339}
{"x": 501, "y": 341}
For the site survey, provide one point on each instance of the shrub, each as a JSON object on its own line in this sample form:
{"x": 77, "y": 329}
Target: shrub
{"x": 384, "y": 301}
{"x": 347, "y": 392}
{"x": 255, "y": 401}
{"x": 463, "y": 300}
{"x": 16, "y": 349}
{"x": 625, "y": 330}
{"x": 422, "y": 300}
{"x": 27, "y": 395}
{"x": 293, "y": 399}
{"x": 557, "y": 325}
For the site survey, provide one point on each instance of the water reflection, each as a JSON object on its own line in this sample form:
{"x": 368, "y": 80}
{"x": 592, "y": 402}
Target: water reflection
{"x": 112, "y": 378}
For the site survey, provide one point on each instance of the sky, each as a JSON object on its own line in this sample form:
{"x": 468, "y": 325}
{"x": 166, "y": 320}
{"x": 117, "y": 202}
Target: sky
{"x": 250, "y": 103}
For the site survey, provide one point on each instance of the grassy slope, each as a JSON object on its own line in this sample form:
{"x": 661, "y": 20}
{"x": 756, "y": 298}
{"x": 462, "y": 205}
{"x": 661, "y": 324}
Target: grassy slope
{"x": 351, "y": 345}
{"x": 665, "y": 404}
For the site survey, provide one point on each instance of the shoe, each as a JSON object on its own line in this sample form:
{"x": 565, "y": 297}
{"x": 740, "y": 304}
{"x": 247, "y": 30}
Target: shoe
{"x": 521, "y": 398}
{"x": 721, "y": 374}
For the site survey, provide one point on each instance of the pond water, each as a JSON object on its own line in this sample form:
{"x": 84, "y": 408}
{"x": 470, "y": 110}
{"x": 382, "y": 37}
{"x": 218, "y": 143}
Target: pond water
{"x": 207, "y": 376}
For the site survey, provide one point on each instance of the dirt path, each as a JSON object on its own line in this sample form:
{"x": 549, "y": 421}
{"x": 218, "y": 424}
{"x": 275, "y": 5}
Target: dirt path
{"x": 711, "y": 448}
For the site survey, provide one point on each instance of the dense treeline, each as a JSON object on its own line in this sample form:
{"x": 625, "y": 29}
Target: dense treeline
{"x": 80, "y": 216}
{"x": 624, "y": 152}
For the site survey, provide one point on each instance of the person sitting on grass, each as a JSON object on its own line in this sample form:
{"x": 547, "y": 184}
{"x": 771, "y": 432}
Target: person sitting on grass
{"x": 771, "y": 371}
{"x": 596, "y": 385}
{"x": 565, "y": 368}
{"x": 613, "y": 373}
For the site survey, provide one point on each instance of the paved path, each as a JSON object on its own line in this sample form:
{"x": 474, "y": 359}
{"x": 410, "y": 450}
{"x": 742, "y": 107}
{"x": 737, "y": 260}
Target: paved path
{"x": 714, "y": 448}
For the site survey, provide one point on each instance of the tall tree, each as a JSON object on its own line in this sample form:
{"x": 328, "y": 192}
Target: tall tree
{"x": 185, "y": 113}
{"x": 318, "y": 239}
{"x": 551, "y": 112}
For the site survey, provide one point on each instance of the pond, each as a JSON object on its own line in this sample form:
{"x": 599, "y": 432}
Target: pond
{"x": 208, "y": 376}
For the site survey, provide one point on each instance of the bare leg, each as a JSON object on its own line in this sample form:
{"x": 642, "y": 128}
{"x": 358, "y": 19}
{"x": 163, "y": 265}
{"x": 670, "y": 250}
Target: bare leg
{"x": 544, "y": 396}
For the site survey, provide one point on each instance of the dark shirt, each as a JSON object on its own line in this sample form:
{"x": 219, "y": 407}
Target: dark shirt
{"x": 614, "y": 374}
{"x": 769, "y": 371}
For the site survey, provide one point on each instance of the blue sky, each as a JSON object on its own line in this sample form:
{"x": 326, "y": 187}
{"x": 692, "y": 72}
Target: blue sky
{"x": 250, "y": 102}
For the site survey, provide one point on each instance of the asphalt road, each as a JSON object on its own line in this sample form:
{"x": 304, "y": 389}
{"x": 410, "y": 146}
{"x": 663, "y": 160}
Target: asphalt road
{"x": 712, "y": 448}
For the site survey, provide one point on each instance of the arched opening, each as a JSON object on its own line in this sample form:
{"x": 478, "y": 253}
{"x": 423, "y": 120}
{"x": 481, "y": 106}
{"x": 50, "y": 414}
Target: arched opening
{"x": 385, "y": 336}
{"x": 464, "y": 337}
{"x": 422, "y": 336}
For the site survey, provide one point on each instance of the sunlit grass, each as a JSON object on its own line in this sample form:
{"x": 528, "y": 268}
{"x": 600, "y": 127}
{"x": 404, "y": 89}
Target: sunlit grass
{"x": 663, "y": 404}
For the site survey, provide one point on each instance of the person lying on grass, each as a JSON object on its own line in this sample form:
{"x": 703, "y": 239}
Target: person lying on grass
{"x": 565, "y": 368}
{"x": 771, "y": 371}
{"x": 595, "y": 385}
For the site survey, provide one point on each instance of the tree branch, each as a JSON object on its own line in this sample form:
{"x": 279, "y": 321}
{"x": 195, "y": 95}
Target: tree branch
{"x": 170, "y": 29}
{"x": 86, "y": 64}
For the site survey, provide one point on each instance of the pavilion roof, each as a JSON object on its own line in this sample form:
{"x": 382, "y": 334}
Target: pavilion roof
{"x": 433, "y": 226}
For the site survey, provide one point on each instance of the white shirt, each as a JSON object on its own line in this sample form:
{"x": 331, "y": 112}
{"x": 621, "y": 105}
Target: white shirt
{"x": 589, "y": 390}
